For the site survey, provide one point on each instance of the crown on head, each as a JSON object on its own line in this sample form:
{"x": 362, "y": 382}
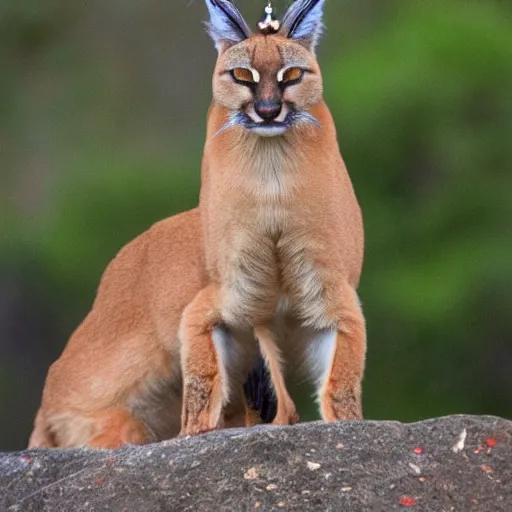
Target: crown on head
{"x": 269, "y": 24}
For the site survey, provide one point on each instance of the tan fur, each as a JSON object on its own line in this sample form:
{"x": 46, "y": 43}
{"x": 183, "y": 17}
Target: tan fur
{"x": 273, "y": 253}
{"x": 281, "y": 225}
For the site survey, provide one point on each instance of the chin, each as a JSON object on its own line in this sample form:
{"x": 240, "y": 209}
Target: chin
{"x": 275, "y": 130}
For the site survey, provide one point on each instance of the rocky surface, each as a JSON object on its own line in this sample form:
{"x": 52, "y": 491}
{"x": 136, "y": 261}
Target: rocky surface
{"x": 459, "y": 463}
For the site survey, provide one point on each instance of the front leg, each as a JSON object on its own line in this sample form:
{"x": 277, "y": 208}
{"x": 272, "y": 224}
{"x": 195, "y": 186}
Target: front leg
{"x": 286, "y": 413}
{"x": 203, "y": 387}
{"x": 340, "y": 388}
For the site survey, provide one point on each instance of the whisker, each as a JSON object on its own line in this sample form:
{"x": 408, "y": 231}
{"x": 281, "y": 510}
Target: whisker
{"x": 235, "y": 119}
{"x": 304, "y": 118}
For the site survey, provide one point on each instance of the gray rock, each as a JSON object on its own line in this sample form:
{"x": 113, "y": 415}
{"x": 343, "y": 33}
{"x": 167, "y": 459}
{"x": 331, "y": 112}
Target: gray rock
{"x": 458, "y": 463}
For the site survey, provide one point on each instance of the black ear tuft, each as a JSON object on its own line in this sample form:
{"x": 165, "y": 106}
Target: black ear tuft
{"x": 303, "y": 21}
{"x": 226, "y": 24}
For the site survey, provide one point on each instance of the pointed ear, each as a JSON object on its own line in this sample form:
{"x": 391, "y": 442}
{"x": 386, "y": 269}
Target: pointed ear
{"x": 226, "y": 26}
{"x": 303, "y": 22}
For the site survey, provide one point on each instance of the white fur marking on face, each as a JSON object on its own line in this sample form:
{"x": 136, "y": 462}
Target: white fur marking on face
{"x": 284, "y": 112}
{"x": 255, "y": 75}
{"x": 280, "y": 74}
{"x": 254, "y": 116}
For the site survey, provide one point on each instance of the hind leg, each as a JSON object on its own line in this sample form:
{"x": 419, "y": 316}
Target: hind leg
{"x": 90, "y": 394}
{"x": 112, "y": 428}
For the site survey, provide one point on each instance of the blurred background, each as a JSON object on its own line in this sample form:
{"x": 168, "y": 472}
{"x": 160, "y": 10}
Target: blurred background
{"x": 102, "y": 117}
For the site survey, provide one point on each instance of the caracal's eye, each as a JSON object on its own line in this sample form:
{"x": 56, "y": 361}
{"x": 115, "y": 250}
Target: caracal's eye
{"x": 293, "y": 75}
{"x": 243, "y": 75}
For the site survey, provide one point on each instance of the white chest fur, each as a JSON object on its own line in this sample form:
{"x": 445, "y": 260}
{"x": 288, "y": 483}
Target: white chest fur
{"x": 272, "y": 272}
{"x": 271, "y": 258}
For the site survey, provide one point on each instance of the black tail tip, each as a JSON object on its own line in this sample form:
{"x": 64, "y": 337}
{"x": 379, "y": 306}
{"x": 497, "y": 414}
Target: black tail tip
{"x": 259, "y": 392}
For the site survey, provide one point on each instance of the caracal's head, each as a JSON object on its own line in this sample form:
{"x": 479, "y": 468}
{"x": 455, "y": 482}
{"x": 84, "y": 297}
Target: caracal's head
{"x": 268, "y": 80}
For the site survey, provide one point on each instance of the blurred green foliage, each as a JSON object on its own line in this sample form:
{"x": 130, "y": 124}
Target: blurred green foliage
{"x": 101, "y": 131}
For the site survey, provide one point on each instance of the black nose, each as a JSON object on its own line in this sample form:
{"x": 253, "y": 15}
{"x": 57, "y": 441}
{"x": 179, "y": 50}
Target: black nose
{"x": 268, "y": 110}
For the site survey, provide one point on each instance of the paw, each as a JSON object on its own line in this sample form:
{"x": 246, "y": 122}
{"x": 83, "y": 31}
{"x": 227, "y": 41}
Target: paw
{"x": 202, "y": 407}
{"x": 286, "y": 418}
{"x": 196, "y": 424}
{"x": 194, "y": 430}
{"x": 342, "y": 406}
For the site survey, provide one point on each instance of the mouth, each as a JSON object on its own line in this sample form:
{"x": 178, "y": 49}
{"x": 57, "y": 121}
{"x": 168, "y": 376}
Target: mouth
{"x": 269, "y": 128}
